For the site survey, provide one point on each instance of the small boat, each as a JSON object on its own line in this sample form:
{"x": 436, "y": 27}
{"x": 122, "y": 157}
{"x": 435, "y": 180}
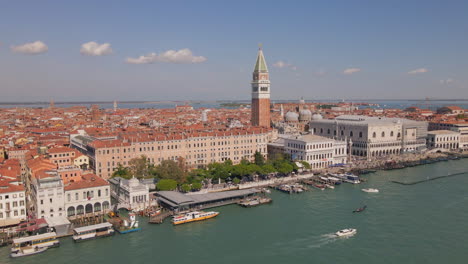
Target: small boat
{"x": 26, "y": 246}
{"x": 93, "y": 231}
{"x": 370, "y": 190}
{"x": 360, "y": 209}
{"x": 193, "y": 217}
{"x": 319, "y": 186}
{"x": 329, "y": 186}
{"x": 128, "y": 226}
{"x": 346, "y": 232}
{"x": 28, "y": 251}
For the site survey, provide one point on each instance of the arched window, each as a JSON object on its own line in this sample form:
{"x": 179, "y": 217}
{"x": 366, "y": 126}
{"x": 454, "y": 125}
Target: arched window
{"x": 360, "y": 134}
{"x": 374, "y": 135}
{"x": 342, "y": 132}
{"x": 399, "y": 134}
{"x": 328, "y": 131}
{"x": 321, "y": 131}
{"x": 383, "y": 134}
{"x": 391, "y": 134}
{"x": 351, "y": 133}
{"x": 89, "y": 208}
{"x": 71, "y": 211}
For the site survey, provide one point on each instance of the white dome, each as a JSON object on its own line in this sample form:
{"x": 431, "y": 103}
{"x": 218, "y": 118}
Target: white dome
{"x": 317, "y": 117}
{"x": 291, "y": 117}
{"x": 305, "y": 115}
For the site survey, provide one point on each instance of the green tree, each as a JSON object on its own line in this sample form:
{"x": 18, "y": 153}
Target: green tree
{"x": 122, "y": 172}
{"x": 185, "y": 187}
{"x": 169, "y": 169}
{"x": 139, "y": 167}
{"x": 306, "y": 164}
{"x": 259, "y": 159}
{"x": 196, "y": 186}
{"x": 166, "y": 185}
{"x": 236, "y": 180}
{"x": 285, "y": 168}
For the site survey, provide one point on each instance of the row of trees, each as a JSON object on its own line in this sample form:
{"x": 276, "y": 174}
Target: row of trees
{"x": 175, "y": 174}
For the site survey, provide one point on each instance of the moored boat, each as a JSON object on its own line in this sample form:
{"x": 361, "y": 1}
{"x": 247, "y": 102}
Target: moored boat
{"x": 25, "y": 246}
{"x": 193, "y": 217}
{"x": 93, "y": 231}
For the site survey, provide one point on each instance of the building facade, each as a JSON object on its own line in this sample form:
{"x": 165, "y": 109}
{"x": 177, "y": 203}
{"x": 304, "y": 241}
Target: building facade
{"x": 91, "y": 194}
{"x": 260, "y": 93}
{"x": 445, "y": 139}
{"x": 12, "y": 203}
{"x": 374, "y": 136}
{"x": 130, "y": 193}
{"x": 319, "y": 152}
{"x": 197, "y": 149}
{"x": 47, "y": 195}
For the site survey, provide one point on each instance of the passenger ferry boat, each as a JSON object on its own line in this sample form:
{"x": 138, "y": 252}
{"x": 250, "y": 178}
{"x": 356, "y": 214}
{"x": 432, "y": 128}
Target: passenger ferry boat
{"x": 25, "y": 246}
{"x": 192, "y": 217}
{"x": 93, "y": 231}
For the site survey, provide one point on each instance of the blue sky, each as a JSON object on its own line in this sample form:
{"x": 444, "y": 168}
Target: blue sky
{"x": 321, "y": 49}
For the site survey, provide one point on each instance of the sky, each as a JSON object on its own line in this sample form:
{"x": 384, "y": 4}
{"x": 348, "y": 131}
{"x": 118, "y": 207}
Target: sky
{"x": 206, "y": 50}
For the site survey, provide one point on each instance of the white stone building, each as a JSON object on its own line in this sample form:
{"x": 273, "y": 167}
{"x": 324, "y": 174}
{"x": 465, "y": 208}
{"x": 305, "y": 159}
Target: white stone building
{"x": 445, "y": 139}
{"x": 374, "y": 136}
{"x": 319, "y": 152}
{"x": 91, "y": 194}
{"x": 130, "y": 193}
{"x": 47, "y": 195}
{"x": 12, "y": 202}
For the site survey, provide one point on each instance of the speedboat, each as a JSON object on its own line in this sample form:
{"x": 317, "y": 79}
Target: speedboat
{"x": 360, "y": 209}
{"x": 346, "y": 232}
{"x": 370, "y": 190}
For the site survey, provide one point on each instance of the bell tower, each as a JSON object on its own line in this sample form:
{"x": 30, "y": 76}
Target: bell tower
{"x": 260, "y": 92}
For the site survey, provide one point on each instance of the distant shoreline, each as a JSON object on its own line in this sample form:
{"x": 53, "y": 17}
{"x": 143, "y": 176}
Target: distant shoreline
{"x": 225, "y": 101}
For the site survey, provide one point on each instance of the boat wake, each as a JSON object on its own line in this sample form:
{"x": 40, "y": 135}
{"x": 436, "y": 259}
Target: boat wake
{"x": 306, "y": 243}
{"x": 323, "y": 240}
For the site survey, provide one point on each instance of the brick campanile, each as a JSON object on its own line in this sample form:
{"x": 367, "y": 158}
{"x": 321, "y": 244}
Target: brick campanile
{"x": 260, "y": 93}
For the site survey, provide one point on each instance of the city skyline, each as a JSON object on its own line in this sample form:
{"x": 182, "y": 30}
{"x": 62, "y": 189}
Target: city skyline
{"x": 205, "y": 51}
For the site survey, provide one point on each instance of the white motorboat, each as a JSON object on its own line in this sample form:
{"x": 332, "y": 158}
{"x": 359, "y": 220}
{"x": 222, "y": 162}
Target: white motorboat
{"x": 370, "y": 190}
{"x": 346, "y": 232}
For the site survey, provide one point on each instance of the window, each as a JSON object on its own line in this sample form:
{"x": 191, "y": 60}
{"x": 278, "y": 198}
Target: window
{"x": 360, "y": 134}
{"x": 374, "y": 135}
{"x": 42, "y": 201}
{"x": 383, "y": 134}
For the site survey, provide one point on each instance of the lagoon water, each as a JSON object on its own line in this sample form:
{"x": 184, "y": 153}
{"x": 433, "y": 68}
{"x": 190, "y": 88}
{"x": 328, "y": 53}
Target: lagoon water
{"x": 422, "y": 223}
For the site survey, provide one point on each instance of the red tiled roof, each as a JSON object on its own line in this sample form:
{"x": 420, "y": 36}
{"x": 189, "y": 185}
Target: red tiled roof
{"x": 87, "y": 181}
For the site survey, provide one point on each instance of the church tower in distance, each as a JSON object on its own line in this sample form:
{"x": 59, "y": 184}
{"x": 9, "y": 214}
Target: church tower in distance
{"x": 260, "y": 93}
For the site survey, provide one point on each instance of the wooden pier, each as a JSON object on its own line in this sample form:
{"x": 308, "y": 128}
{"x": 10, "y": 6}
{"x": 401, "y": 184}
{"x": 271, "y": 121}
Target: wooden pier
{"x": 158, "y": 219}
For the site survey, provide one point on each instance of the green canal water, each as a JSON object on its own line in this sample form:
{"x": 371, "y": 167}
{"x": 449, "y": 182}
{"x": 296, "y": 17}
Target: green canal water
{"x": 423, "y": 223}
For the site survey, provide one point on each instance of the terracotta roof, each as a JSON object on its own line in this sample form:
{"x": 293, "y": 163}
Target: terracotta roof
{"x": 87, "y": 181}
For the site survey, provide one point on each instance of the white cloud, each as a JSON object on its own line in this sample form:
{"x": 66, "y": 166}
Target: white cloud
{"x": 282, "y": 64}
{"x": 321, "y": 72}
{"x": 350, "y": 71}
{"x": 417, "y": 71}
{"x": 447, "y": 81}
{"x": 95, "y": 49}
{"x": 170, "y": 56}
{"x": 31, "y": 48}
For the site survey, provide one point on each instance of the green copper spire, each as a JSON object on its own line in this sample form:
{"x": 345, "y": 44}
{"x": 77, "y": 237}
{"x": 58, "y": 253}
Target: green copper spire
{"x": 260, "y": 65}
